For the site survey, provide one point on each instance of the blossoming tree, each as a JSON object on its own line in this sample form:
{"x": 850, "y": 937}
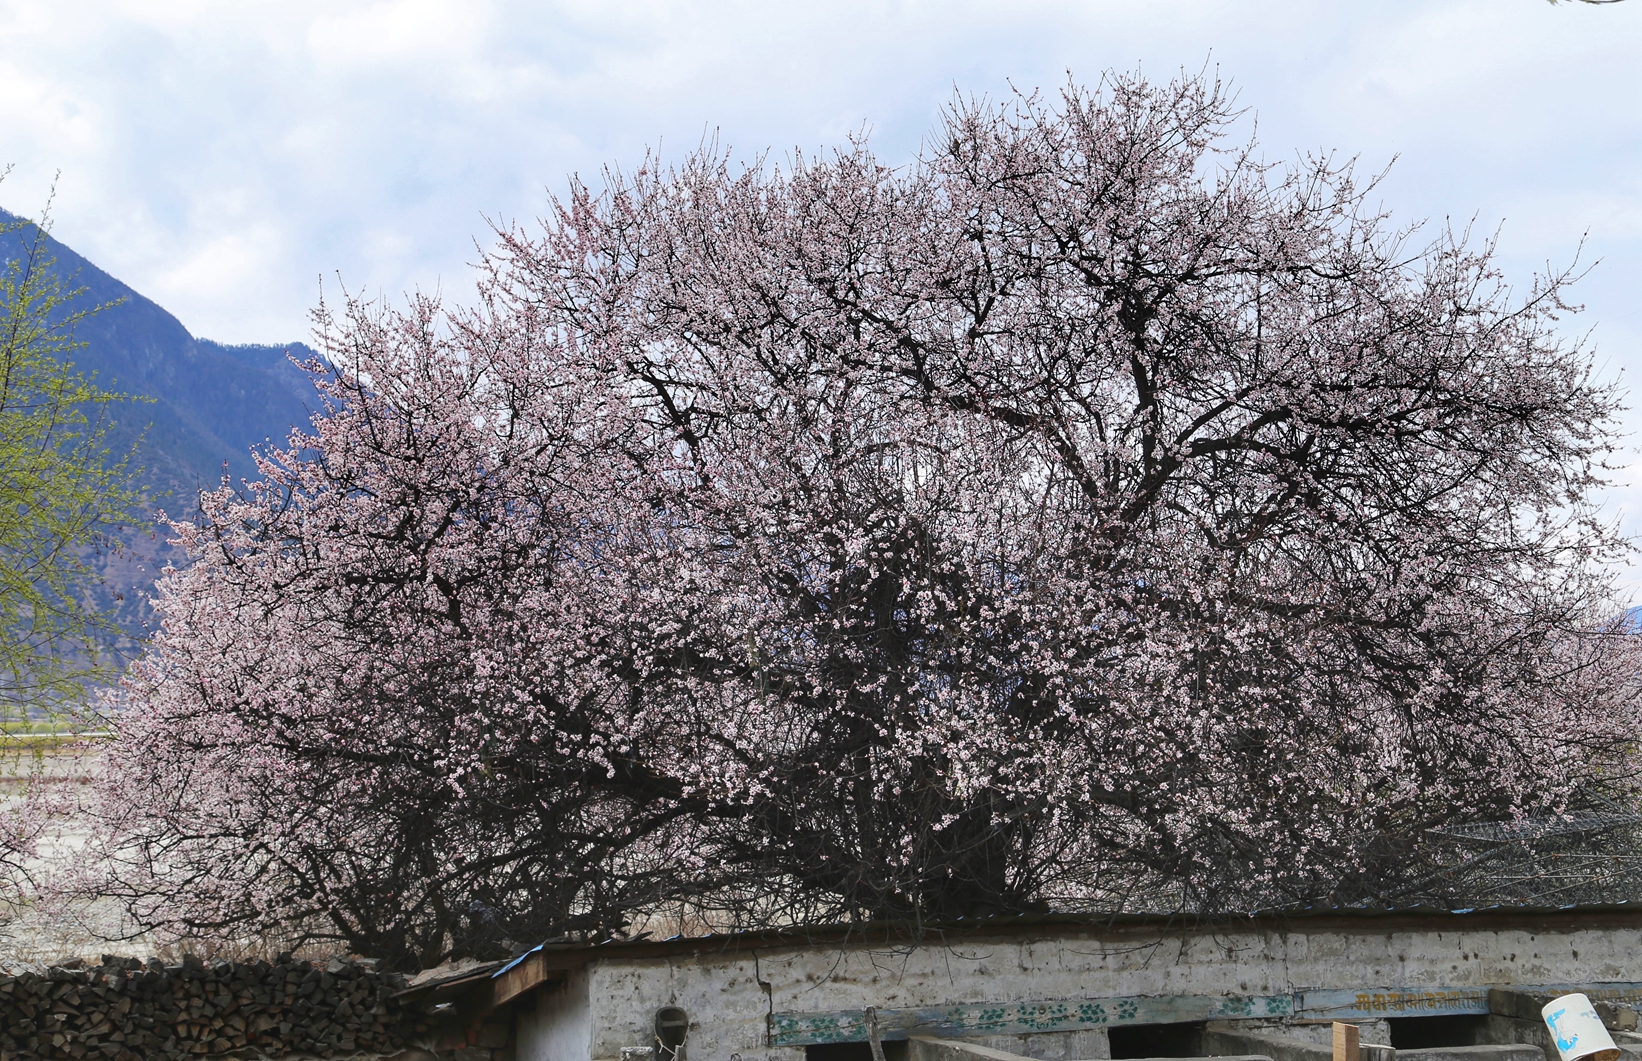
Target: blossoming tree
{"x": 1085, "y": 514}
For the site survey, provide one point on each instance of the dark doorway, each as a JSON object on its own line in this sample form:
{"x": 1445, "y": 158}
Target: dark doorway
{"x": 838, "y": 1052}
{"x": 1157, "y": 1040}
{"x": 1422, "y": 1033}
{"x": 894, "y": 1050}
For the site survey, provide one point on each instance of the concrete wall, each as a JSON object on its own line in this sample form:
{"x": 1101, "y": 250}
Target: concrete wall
{"x": 556, "y": 1024}
{"x": 725, "y": 997}
{"x": 731, "y": 995}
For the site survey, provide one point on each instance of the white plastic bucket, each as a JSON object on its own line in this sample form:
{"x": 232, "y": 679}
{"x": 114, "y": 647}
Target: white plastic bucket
{"x": 1577, "y": 1030}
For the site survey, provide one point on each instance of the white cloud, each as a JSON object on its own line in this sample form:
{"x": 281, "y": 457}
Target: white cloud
{"x": 427, "y": 33}
{"x": 223, "y": 267}
{"x": 332, "y": 121}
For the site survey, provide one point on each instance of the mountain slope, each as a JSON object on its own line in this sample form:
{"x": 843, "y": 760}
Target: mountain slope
{"x": 210, "y": 404}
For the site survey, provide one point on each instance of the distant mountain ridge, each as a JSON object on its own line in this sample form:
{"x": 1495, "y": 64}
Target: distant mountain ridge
{"x": 212, "y": 403}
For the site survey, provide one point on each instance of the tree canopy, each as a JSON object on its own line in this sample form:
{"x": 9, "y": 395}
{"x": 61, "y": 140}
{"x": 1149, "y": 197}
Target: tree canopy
{"x": 1086, "y": 515}
{"x": 63, "y": 487}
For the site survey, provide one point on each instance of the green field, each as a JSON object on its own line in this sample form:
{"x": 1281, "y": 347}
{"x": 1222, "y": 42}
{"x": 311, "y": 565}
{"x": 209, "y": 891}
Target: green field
{"x": 37, "y": 734}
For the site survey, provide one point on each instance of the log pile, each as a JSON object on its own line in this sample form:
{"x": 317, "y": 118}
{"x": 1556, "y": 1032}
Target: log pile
{"x": 125, "y": 1010}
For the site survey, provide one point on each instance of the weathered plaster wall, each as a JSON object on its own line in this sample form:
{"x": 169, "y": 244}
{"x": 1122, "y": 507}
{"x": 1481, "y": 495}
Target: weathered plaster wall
{"x": 1090, "y": 1044}
{"x": 557, "y": 1024}
{"x": 724, "y": 996}
{"x": 730, "y": 996}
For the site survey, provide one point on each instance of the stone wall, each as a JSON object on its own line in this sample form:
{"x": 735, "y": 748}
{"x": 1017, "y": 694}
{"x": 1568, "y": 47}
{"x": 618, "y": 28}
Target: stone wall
{"x": 128, "y": 1010}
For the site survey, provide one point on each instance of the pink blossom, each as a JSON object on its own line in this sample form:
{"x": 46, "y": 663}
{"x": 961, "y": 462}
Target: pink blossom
{"x": 1086, "y": 514}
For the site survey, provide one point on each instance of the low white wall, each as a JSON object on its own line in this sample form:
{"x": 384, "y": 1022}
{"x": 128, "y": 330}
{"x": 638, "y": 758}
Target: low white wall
{"x": 730, "y": 996}
{"x": 556, "y": 1023}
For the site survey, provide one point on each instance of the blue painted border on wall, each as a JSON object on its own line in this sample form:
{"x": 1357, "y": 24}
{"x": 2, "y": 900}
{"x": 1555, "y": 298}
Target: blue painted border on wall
{"x": 1027, "y": 1018}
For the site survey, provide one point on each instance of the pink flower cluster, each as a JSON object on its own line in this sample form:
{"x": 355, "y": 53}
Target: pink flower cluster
{"x": 1087, "y": 513}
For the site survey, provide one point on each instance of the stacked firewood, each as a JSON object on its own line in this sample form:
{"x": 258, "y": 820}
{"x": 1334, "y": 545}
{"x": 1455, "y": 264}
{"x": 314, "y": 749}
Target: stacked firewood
{"x": 125, "y": 1010}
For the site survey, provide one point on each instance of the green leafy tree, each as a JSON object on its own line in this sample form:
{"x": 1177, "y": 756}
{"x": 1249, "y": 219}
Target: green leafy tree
{"x": 63, "y": 486}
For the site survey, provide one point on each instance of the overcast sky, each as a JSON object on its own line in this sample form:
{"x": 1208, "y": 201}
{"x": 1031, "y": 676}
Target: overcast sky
{"x": 222, "y": 156}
